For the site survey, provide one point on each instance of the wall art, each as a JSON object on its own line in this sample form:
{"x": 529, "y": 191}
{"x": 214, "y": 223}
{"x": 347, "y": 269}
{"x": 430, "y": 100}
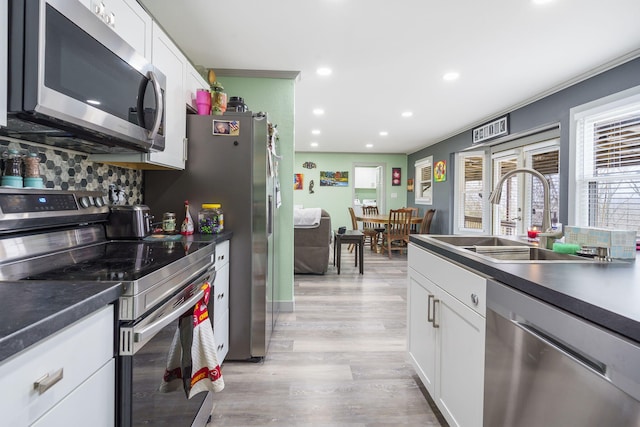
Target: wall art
{"x": 440, "y": 171}
{"x": 396, "y": 176}
{"x": 491, "y": 130}
{"x": 298, "y": 181}
{"x": 334, "y": 179}
{"x": 410, "y": 185}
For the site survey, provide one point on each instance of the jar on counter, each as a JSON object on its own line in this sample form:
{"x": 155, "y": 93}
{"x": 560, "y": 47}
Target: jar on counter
{"x": 169, "y": 222}
{"x": 12, "y": 175}
{"x": 210, "y": 219}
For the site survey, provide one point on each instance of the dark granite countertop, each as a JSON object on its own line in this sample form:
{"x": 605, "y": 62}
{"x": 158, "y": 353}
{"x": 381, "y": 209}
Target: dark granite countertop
{"x": 607, "y": 294}
{"x": 33, "y": 310}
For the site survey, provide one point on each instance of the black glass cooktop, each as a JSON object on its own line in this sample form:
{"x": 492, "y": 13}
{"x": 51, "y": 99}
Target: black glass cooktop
{"x": 109, "y": 261}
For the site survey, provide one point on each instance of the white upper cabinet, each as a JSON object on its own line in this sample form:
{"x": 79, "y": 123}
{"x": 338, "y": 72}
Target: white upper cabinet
{"x": 128, "y": 19}
{"x": 169, "y": 59}
{"x": 194, "y": 82}
{"x": 366, "y": 177}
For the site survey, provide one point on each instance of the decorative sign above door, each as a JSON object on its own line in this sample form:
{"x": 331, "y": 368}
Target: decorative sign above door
{"x": 491, "y": 130}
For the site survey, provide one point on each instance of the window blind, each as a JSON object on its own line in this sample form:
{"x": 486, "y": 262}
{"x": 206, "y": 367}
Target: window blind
{"x": 470, "y": 214}
{"x": 608, "y": 168}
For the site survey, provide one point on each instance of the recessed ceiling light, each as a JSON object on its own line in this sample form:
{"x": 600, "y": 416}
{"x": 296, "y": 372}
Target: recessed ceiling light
{"x": 314, "y": 144}
{"x": 318, "y": 111}
{"x": 384, "y": 133}
{"x": 453, "y": 75}
{"x": 369, "y": 145}
{"x": 315, "y": 131}
{"x": 407, "y": 114}
{"x": 324, "y": 71}
{"x": 93, "y": 102}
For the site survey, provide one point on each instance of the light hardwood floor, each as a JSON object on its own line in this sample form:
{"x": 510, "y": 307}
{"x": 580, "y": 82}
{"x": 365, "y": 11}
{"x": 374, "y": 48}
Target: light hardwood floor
{"x": 338, "y": 360}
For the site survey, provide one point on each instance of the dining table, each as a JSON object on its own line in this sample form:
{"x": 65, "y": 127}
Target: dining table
{"x": 382, "y": 219}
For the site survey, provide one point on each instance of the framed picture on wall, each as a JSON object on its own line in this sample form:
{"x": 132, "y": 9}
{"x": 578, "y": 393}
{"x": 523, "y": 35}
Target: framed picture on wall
{"x": 396, "y": 176}
{"x": 298, "y": 181}
{"x": 440, "y": 171}
{"x": 334, "y": 179}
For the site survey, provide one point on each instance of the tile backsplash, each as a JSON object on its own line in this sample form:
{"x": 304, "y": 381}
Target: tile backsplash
{"x": 67, "y": 170}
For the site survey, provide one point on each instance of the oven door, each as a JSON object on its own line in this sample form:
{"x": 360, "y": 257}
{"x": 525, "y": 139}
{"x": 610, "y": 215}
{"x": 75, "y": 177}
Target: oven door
{"x": 77, "y": 84}
{"x": 144, "y": 348}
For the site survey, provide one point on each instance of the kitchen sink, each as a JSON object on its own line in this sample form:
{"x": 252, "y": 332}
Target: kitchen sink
{"x": 471, "y": 241}
{"x": 503, "y": 249}
{"x": 530, "y": 254}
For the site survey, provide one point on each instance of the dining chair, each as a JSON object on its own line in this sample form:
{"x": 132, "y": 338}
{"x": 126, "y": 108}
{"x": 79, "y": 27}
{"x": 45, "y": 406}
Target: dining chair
{"x": 369, "y": 233}
{"x": 415, "y": 214}
{"x": 425, "y": 225}
{"x": 372, "y": 210}
{"x": 396, "y": 235}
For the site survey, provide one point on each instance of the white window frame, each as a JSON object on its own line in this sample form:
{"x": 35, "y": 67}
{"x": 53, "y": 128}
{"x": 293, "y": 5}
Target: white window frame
{"x": 458, "y": 207}
{"x": 426, "y": 199}
{"x": 629, "y": 99}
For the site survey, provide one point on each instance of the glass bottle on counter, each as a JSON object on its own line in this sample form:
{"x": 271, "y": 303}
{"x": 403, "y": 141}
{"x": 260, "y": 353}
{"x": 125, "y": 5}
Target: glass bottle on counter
{"x": 210, "y": 219}
{"x": 187, "y": 225}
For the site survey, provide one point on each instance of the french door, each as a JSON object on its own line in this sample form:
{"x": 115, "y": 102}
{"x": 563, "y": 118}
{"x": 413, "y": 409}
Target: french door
{"x": 521, "y": 205}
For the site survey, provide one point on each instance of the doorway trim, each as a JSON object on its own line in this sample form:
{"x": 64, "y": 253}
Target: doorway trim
{"x": 381, "y": 192}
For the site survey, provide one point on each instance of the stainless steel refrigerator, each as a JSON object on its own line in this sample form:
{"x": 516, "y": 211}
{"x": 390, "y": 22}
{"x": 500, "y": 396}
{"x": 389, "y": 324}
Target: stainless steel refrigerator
{"x": 229, "y": 162}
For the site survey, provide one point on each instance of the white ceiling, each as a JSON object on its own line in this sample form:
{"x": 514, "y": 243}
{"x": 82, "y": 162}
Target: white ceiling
{"x": 389, "y": 57}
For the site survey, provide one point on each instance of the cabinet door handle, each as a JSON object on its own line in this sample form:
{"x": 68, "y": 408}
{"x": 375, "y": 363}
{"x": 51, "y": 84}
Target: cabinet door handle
{"x": 474, "y": 299}
{"x": 435, "y": 301}
{"x": 47, "y": 381}
{"x": 429, "y": 317}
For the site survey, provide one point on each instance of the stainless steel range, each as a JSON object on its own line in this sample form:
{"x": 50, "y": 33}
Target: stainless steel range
{"x": 59, "y": 236}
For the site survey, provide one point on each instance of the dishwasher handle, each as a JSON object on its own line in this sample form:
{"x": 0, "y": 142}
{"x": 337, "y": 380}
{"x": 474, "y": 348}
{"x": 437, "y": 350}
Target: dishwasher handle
{"x": 589, "y": 362}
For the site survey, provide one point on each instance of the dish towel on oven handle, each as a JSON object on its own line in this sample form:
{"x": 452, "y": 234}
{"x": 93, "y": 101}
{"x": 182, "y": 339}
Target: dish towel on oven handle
{"x": 192, "y": 361}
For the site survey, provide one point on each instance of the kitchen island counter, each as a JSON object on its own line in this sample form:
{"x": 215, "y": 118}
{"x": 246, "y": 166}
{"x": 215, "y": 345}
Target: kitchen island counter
{"x": 607, "y": 294}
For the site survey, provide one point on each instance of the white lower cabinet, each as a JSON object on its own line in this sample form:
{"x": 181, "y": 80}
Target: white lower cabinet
{"x": 446, "y": 334}
{"x": 221, "y": 303}
{"x": 79, "y": 407}
{"x": 67, "y": 379}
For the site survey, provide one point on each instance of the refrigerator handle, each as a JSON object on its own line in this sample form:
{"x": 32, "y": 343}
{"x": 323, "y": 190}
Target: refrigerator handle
{"x": 270, "y": 215}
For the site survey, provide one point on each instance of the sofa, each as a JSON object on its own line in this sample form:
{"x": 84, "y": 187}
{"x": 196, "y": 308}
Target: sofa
{"x": 312, "y": 247}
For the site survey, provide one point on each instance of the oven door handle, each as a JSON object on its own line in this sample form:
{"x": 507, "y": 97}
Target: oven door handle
{"x": 150, "y": 330}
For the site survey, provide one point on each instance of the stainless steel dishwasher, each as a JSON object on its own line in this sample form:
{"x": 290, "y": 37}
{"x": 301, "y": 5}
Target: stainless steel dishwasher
{"x": 547, "y": 368}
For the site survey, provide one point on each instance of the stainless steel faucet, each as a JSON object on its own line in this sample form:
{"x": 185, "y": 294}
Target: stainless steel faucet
{"x": 548, "y": 236}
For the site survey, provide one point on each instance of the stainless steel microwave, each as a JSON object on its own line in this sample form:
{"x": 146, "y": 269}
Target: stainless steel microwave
{"x": 74, "y": 83}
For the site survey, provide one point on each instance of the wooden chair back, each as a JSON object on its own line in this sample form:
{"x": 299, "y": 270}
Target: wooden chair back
{"x": 398, "y": 229}
{"x": 354, "y": 222}
{"x": 425, "y": 226}
{"x": 369, "y": 210}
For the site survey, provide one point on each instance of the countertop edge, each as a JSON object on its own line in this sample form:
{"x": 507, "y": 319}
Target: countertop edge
{"x": 27, "y": 336}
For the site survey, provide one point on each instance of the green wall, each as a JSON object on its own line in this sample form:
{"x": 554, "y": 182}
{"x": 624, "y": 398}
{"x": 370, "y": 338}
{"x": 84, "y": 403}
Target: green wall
{"x": 276, "y": 97}
{"x": 336, "y": 200}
